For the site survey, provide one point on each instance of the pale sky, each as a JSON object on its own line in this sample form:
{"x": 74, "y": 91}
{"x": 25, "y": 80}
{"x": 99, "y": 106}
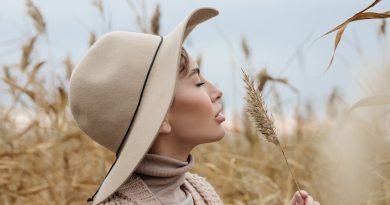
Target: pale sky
{"x": 275, "y": 30}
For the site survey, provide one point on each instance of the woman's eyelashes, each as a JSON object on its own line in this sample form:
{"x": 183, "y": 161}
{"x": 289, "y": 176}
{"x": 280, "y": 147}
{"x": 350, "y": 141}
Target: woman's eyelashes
{"x": 200, "y": 84}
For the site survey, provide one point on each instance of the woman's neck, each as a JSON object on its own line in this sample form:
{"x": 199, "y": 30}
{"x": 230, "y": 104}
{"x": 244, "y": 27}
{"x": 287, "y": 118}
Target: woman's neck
{"x": 166, "y": 145}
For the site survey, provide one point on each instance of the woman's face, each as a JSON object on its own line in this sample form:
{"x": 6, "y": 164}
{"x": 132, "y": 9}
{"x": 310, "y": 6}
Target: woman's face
{"x": 193, "y": 115}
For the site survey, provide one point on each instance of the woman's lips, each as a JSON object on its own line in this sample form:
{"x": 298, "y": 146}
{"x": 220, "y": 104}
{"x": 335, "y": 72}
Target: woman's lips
{"x": 220, "y": 118}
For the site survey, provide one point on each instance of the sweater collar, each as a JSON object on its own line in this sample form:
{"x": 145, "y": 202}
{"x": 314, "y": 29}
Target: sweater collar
{"x": 160, "y": 166}
{"x": 165, "y": 177}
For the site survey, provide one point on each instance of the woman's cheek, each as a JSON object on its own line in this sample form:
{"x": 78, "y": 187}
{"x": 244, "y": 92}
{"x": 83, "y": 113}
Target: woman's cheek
{"x": 202, "y": 106}
{"x": 193, "y": 105}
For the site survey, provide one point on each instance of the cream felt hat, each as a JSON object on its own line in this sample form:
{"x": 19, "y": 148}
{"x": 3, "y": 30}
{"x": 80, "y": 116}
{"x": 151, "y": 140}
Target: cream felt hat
{"x": 122, "y": 89}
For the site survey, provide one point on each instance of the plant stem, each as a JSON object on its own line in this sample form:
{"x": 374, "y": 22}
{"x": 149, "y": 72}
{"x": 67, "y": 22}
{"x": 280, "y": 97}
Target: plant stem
{"x": 292, "y": 174}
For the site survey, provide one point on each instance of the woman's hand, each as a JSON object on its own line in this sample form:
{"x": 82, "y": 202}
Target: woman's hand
{"x": 306, "y": 200}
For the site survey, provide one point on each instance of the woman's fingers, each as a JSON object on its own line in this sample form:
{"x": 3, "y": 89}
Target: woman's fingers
{"x": 303, "y": 198}
{"x": 303, "y": 194}
{"x": 295, "y": 200}
{"x": 299, "y": 198}
{"x": 310, "y": 201}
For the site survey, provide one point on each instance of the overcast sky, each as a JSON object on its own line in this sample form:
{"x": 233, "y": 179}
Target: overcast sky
{"x": 275, "y": 30}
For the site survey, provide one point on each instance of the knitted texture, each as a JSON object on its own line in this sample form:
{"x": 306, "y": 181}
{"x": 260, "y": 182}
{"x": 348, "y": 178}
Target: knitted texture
{"x": 202, "y": 189}
{"x": 118, "y": 199}
{"x": 136, "y": 192}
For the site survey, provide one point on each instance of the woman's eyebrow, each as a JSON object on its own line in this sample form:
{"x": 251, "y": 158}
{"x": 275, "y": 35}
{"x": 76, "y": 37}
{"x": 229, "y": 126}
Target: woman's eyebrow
{"x": 193, "y": 71}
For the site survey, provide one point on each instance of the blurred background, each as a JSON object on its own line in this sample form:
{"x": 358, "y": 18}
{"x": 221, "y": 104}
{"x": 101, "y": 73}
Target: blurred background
{"x": 340, "y": 157}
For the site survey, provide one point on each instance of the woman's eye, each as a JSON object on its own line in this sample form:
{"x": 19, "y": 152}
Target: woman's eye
{"x": 200, "y": 84}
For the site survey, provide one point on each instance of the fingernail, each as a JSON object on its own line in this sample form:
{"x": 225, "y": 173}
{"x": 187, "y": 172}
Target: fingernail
{"x": 297, "y": 199}
{"x": 304, "y": 194}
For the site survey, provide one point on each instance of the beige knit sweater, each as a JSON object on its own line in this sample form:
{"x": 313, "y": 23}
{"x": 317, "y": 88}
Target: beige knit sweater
{"x": 160, "y": 180}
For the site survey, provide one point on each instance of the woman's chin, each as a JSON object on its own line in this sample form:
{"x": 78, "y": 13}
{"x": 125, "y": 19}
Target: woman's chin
{"x": 220, "y": 134}
{"x": 215, "y": 135}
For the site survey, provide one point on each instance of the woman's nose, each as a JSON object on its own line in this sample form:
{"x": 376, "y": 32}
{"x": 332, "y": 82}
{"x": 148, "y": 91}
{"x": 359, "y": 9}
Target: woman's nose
{"x": 217, "y": 94}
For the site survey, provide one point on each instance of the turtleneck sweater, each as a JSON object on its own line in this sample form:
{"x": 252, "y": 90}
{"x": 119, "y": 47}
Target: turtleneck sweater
{"x": 163, "y": 183}
{"x": 165, "y": 176}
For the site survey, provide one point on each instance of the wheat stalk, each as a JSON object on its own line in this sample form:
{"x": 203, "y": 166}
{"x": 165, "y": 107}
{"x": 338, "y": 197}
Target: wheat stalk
{"x": 36, "y": 15}
{"x": 257, "y": 110}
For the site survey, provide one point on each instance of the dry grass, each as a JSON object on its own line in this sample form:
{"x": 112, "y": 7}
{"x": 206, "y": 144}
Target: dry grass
{"x": 361, "y": 15}
{"x": 47, "y": 160}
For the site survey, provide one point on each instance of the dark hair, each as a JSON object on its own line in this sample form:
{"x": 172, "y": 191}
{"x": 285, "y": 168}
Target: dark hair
{"x": 184, "y": 66}
{"x": 184, "y": 63}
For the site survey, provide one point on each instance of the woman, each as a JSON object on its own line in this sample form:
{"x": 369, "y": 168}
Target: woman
{"x": 142, "y": 97}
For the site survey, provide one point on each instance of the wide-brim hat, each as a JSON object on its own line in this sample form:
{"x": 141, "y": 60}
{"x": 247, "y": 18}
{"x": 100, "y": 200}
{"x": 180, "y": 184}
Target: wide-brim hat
{"x": 122, "y": 89}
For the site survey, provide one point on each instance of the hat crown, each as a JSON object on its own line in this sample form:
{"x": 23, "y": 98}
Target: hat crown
{"x": 106, "y": 86}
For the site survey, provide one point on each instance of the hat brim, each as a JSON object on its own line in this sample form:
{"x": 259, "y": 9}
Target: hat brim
{"x": 156, "y": 100}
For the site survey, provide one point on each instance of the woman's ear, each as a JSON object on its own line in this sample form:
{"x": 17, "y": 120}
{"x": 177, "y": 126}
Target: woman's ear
{"x": 165, "y": 127}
